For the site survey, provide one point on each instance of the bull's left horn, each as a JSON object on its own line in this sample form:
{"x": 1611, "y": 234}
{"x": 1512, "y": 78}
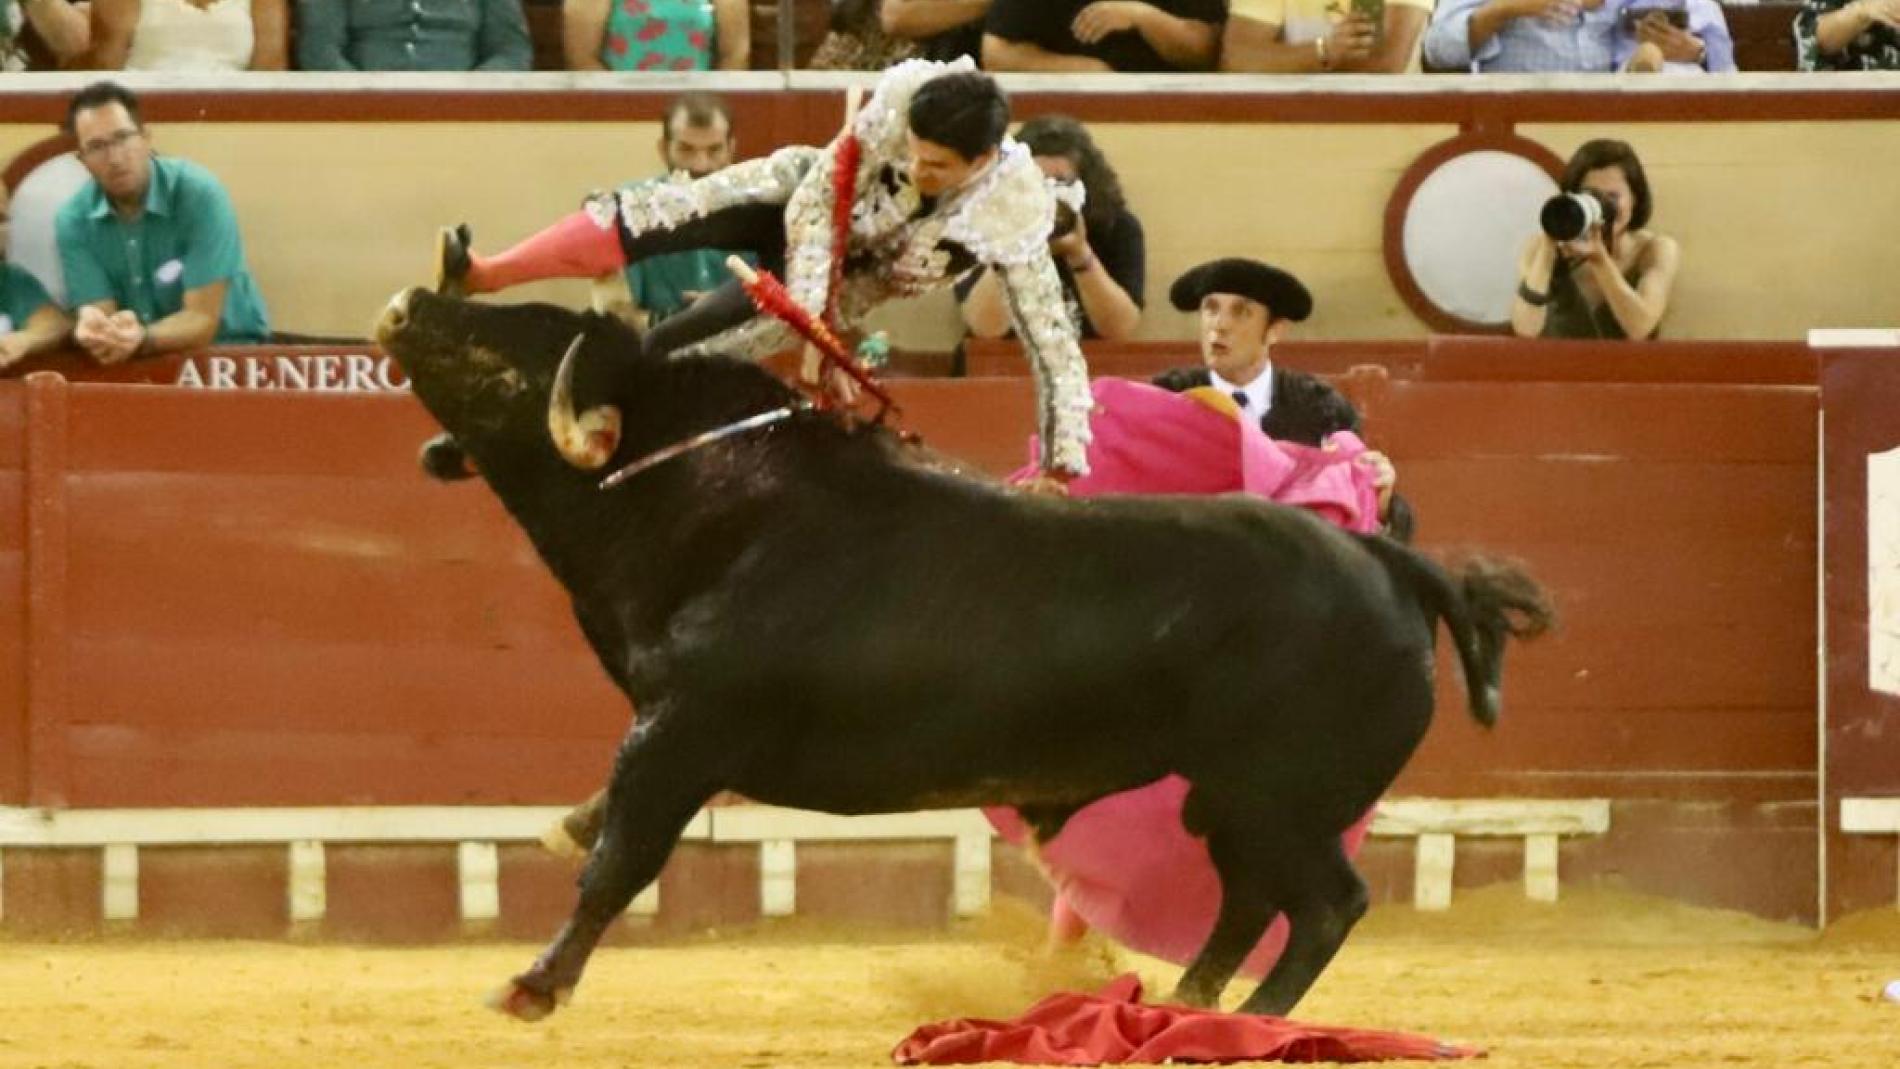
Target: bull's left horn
{"x": 588, "y": 440}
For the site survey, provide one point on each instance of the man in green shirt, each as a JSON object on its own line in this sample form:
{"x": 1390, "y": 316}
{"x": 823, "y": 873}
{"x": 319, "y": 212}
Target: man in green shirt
{"x": 30, "y": 323}
{"x": 150, "y": 246}
{"x": 696, "y": 139}
{"x": 397, "y": 35}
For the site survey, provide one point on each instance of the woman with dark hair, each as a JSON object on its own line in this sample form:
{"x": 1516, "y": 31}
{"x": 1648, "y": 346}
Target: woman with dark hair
{"x": 1101, "y": 256}
{"x": 1615, "y": 280}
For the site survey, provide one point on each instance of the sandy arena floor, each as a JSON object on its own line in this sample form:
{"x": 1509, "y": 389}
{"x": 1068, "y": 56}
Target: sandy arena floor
{"x": 1604, "y": 980}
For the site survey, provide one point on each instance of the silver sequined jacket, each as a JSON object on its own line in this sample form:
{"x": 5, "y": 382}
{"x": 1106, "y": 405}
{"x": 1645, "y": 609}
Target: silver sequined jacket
{"x": 1002, "y": 218}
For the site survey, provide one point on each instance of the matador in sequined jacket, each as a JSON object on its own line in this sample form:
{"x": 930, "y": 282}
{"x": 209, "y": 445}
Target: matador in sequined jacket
{"x": 901, "y": 244}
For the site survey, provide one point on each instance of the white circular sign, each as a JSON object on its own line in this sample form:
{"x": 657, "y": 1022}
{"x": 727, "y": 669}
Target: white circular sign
{"x": 1465, "y": 227}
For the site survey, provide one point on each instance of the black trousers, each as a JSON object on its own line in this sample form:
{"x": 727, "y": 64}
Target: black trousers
{"x": 755, "y": 228}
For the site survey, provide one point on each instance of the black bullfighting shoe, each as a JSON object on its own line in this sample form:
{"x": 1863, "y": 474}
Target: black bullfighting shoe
{"x": 452, "y": 260}
{"x": 443, "y": 460}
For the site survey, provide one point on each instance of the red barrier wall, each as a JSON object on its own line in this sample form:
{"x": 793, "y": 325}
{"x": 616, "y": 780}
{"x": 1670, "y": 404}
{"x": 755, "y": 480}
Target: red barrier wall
{"x": 1862, "y": 751}
{"x": 266, "y": 604}
{"x": 13, "y": 721}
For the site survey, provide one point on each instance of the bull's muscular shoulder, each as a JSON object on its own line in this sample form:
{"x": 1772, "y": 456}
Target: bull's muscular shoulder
{"x": 1305, "y": 409}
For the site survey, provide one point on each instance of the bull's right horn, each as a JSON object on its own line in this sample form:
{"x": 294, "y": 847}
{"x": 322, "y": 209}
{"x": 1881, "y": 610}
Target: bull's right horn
{"x": 588, "y": 440}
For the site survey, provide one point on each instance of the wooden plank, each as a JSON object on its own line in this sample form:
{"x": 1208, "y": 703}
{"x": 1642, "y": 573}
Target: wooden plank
{"x": 1726, "y": 789}
{"x": 120, "y": 886}
{"x": 400, "y": 514}
{"x": 158, "y": 684}
{"x": 778, "y": 877}
{"x": 1870, "y": 816}
{"x": 970, "y": 887}
{"x": 751, "y": 824}
{"x": 1540, "y": 868}
{"x": 48, "y": 696}
{"x": 1491, "y": 816}
{"x": 12, "y": 426}
{"x": 1616, "y": 421}
{"x": 308, "y": 887}
{"x": 1465, "y": 358}
{"x": 1432, "y": 872}
{"x": 115, "y": 767}
{"x": 478, "y": 879}
{"x": 1510, "y": 499}
{"x": 1625, "y": 741}
{"x": 331, "y": 825}
{"x": 133, "y": 428}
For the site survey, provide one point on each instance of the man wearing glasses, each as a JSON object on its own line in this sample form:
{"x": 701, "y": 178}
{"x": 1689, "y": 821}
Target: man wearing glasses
{"x": 150, "y": 246}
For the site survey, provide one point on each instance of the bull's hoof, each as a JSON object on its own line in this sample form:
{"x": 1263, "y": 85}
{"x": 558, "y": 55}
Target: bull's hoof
{"x": 443, "y": 459}
{"x": 522, "y": 1003}
{"x": 560, "y": 842}
{"x": 452, "y": 261}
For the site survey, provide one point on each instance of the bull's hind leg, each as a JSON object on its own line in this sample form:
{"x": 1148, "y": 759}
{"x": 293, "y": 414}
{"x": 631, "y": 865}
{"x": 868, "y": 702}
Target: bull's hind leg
{"x": 658, "y": 785}
{"x": 1247, "y": 904}
{"x": 1324, "y": 897}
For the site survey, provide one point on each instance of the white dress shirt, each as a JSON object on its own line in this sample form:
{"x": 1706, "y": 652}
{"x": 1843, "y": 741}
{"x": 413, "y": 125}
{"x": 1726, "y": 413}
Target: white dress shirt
{"x": 1258, "y": 394}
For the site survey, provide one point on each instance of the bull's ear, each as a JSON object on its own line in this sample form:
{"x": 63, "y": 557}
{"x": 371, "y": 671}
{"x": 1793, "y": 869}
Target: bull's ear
{"x": 587, "y": 440}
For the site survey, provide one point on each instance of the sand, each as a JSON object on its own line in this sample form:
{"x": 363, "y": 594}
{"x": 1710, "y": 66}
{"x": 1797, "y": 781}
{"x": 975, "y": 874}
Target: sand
{"x": 1606, "y": 980}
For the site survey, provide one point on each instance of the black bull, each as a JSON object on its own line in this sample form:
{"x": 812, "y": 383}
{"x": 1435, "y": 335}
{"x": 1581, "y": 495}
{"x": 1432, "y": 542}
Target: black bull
{"x": 804, "y": 615}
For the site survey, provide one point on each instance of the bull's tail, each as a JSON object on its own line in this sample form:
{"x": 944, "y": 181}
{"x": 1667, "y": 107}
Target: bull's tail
{"x": 1489, "y": 602}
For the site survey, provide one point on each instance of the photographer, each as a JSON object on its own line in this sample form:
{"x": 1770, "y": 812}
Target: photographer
{"x": 1614, "y": 278}
{"x": 1315, "y": 36}
{"x": 1100, "y": 252}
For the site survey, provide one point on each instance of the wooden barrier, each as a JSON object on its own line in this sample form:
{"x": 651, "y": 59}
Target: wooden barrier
{"x": 473, "y": 832}
{"x": 1859, "y": 752}
{"x": 265, "y": 605}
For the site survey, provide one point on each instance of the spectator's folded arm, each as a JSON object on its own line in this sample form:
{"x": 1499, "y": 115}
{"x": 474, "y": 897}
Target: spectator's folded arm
{"x": 503, "y": 43}
{"x": 322, "y": 33}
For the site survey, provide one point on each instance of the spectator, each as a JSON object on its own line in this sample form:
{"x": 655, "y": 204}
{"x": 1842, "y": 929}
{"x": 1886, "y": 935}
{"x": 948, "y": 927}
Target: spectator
{"x": 1101, "y": 256}
{"x": 1096, "y": 36}
{"x": 856, "y": 40}
{"x": 941, "y": 29}
{"x": 1535, "y": 36}
{"x": 189, "y": 35}
{"x": 1246, "y": 308}
{"x": 869, "y": 35}
{"x": 61, "y": 25}
{"x": 150, "y": 246}
{"x": 1848, "y": 35}
{"x": 1674, "y": 37}
{"x": 696, "y": 139}
{"x": 1603, "y": 285}
{"x": 1310, "y": 37}
{"x": 30, "y": 323}
{"x": 656, "y": 35}
{"x": 387, "y": 35}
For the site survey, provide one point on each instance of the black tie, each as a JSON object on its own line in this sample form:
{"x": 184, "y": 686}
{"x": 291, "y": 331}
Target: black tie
{"x": 1240, "y": 398}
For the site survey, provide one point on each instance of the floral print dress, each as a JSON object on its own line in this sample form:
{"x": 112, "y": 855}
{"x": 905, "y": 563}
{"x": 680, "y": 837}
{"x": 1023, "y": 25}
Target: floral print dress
{"x": 660, "y": 35}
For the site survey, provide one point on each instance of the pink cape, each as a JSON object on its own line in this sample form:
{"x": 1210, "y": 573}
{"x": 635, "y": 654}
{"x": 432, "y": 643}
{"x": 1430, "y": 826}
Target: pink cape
{"x": 1125, "y": 864}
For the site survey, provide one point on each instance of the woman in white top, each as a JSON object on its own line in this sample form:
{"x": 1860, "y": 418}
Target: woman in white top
{"x": 189, "y": 35}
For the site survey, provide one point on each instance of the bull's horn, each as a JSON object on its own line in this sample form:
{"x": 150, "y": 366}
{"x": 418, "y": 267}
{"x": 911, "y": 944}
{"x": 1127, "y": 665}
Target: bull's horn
{"x": 588, "y": 440}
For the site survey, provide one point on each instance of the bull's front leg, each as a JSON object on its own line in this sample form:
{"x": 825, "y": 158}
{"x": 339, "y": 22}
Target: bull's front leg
{"x": 657, "y": 787}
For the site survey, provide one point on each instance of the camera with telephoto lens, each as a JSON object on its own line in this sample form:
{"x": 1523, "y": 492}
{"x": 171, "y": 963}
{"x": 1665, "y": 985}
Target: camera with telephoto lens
{"x": 1070, "y": 196}
{"x": 1570, "y": 216}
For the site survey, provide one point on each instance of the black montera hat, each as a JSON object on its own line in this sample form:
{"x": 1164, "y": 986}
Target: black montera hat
{"x": 1283, "y": 294}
